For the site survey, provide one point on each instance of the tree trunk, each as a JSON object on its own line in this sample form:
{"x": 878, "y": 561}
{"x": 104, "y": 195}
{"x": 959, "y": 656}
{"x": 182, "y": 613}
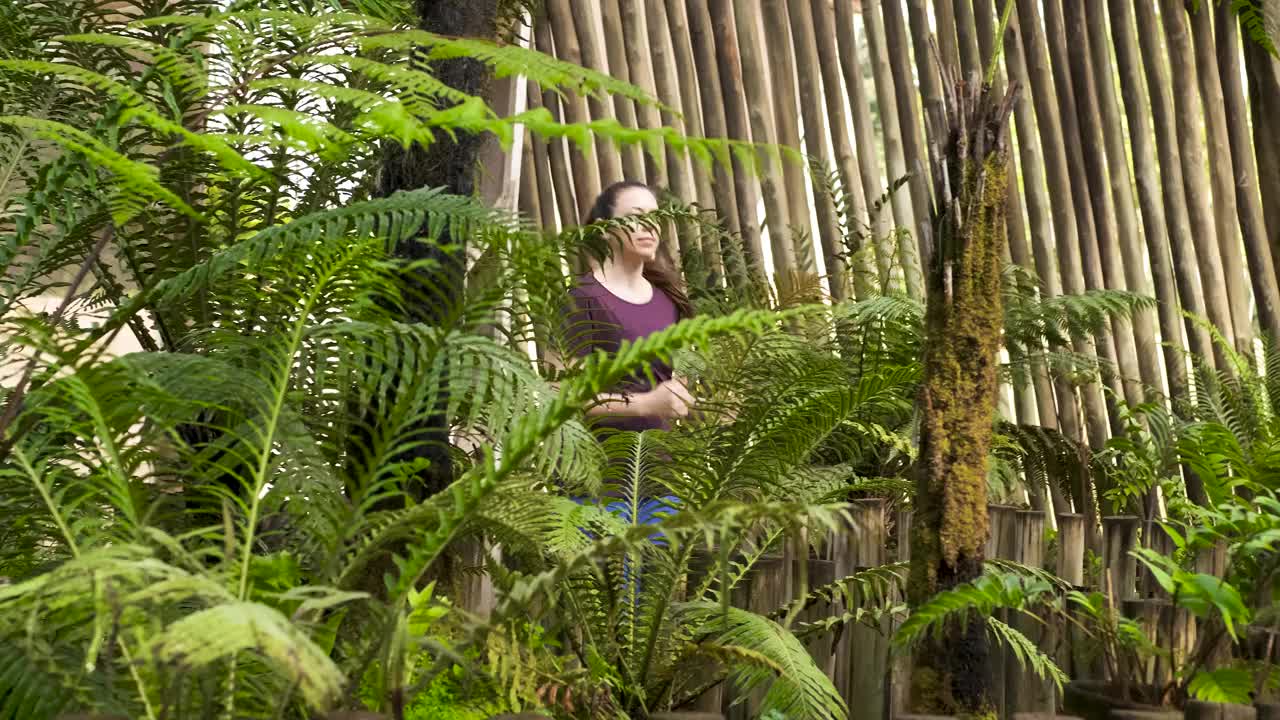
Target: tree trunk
{"x": 586, "y": 171}
{"x": 691, "y": 104}
{"x": 1065, "y": 413}
{"x": 904, "y": 87}
{"x": 1264, "y": 105}
{"x": 1222, "y": 179}
{"x": 786, "y": 113}
{"x": 1109, "y": 186}
{"x": 1262, "y": 270}
{"x": 894, "y": 147}
{"x": 755, "y": 74}
{"x": 1129, "y": 66}
{"x": 1190, "y": 288}
{"x": 713, "y": 117}
{"x": 880, "y": 222}
{"x": 963, "y": 322}
{"x": 814, "y": 115}
{"x": 449, "y": 162}
{"x": 616, "y": 51}
{"x": 1186, "y": 102}
{"x": 721, "y": 15}
{"x": 667, "y": 82}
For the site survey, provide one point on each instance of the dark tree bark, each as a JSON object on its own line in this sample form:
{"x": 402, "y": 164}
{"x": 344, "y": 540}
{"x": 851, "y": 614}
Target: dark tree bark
{"x": 963, "y": 321}
{"x": 433, "y": 296}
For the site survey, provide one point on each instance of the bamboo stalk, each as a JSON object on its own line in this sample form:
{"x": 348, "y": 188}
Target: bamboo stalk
{"x": 585, "y": 21}
{"x": 1262, "y": 269}
{"x": 559, "y": 31}
{"x": 1264, "y": 107}
{"x": 530, "y": 203}
{"x": 1103, "y": 187}
{"x": 724, "y": 30}
{"x": 1190, "y": 287}
{"x": 714, "y": 123}
{"x": 812, "y": 115}
{"x": 1186, "y": 103}
{"x": 756, "y": 80}
{"x": 927, "y": 75}
{"x": 1066, "y": 231}
{"x": 1156, "y": 230}
{"x": 667, "y": 82}
{"x": 691, "y": 105}
{"x": 786, "y": 112}
{"x": 641, "y": 60}
{"x": 1040, "y": 211}
{"x": 903, "y": 84}
{"x": 880, "y": 223}
{"x": 1222, "y": 178}
{"x": 972, "y": 56}
{"x": 945, "y": 30}
{"x": 616, "y": 52}
{"x": 894, "y": 147}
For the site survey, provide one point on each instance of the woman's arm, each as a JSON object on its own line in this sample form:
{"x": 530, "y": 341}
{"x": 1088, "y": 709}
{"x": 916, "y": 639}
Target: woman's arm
{"x": 668, "y": 400}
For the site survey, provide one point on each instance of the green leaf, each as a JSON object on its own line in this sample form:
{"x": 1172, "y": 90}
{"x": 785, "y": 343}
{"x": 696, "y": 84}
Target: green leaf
{"x": 1223, "y": 685}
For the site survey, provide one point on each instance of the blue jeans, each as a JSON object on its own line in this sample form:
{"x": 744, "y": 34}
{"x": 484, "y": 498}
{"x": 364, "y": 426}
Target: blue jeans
{"x": 650, "y": 511}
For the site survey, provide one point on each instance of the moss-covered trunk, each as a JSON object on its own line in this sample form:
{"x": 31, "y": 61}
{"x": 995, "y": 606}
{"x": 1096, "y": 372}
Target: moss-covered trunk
{"x": 958, "y": 399}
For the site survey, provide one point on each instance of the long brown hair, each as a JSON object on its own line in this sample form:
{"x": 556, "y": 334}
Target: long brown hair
{"x": 660, "y": 271}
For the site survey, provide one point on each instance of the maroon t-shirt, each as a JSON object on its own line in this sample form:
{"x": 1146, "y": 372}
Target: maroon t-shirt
{"x": 600, "y": 320}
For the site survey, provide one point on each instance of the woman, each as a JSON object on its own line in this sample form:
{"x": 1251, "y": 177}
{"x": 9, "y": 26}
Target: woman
{"x": 631, "y": 293}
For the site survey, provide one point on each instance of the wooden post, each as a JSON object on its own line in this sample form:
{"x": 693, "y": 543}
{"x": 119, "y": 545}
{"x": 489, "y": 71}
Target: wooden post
{"x": 1119, "y": 538}
{"x": 1190, "y": 289}
{"x": 1222, "y": 177}
{"x": 1198, "y": 710}
{"x": 586, "y": 172}
{"x": 1146, "y": 172}
{"x": 1023, "y": 690}
{"x": 585, "y": 21}
{"x": 1003, "y": 543}
{"x": 813, "y": 115}
{"x": 755, "y": 76}
{"x": 1071, "y": 534}
{"x": 1186, "y": 102}
{"x": 617, "y": 51}
{"x": 898, "y": 680}
{"x": 863, "y": 652}
{"x": 725, "y": 36}
{"x": 642, "y": 60}
{"x": 822, "y": 27}
{"x": 1262, "y": 270}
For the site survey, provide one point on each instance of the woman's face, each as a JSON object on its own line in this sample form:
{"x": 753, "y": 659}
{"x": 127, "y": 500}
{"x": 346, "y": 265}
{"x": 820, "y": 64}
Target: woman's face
{"x": 639, "y": 242}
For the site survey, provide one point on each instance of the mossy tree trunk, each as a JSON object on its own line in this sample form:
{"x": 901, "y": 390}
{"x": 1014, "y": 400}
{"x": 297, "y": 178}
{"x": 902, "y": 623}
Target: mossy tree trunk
{"x": 963, "y": 319}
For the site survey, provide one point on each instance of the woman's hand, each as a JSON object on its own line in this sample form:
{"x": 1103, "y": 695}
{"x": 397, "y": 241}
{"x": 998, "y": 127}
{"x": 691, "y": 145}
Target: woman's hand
{"x": 670, "y": 400}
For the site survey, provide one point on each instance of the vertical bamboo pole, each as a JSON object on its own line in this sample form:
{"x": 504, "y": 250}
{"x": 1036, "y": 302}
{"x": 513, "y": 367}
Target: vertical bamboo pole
{"x": 583, "y": 18}
{"x": 530, "y": 203}
{"x": 903, "y": 198}
{"x": 715, "y": 125}
{"x": 1109, "y": 193}
{"x": 641, "y": 59}
{"x": 945, "y": 30}
{"x": 725, "y": 34}
{"x": 755, "y": 75}
{"x": 1262, "y": 269}
{"x": 913, "y": 141}
{"x": 786, "y": 112}
{"x": 1084, "y": 200}
{"x": 560, "y": 30}
{"x": 1222, "y": 178}
{"x": 812, "y": 114}
{"x": 1264, "y": 107}
{"x": 616, "y": 52}
{"x": 873, "y": 185}
{"x": 1061, "y": 179}
{"x": 667, "y": 82}
{"x": 1156, "y": 231}
{"x": 1190, "y": 288}
{"x": 691, "y": 104}
{"x": 822, "y": 28}
{"x": 1186, "y": 103}
{"x": 972, "y": 52}
{"x": 926, "y": 71}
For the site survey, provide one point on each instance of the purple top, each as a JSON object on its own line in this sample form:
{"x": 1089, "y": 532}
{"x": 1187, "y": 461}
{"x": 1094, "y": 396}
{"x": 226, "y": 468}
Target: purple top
{"x": 600, "y": 320}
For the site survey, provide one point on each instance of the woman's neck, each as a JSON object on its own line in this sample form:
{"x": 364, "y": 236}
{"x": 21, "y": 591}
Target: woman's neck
{"x": 622, "y": 273}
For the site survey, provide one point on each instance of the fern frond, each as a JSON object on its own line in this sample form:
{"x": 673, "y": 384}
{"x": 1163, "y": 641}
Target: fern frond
{"x": 1029, "y": 656}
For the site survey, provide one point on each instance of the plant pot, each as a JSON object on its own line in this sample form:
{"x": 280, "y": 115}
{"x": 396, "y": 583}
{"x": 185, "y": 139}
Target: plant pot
{"x": 1197, "y": 710}
{"x": 1098, "y": 701}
